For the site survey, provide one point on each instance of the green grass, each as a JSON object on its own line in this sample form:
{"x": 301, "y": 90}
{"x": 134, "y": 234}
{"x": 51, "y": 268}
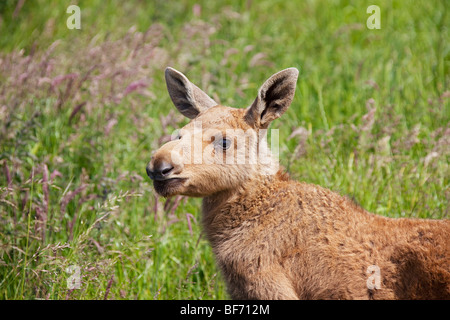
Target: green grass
{"x": 73, "y": 151}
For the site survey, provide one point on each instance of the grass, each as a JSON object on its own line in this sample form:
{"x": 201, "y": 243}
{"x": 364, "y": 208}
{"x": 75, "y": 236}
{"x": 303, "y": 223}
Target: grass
{"x": 81, "y": 111}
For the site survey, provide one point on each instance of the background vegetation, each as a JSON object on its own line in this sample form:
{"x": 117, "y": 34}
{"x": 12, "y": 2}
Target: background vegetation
{"x": 81, "y": 110}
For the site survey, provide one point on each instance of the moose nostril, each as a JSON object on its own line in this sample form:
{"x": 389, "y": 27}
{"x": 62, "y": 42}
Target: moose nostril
{"x": 165, "y": 170}
{"x": 159, "y": 170}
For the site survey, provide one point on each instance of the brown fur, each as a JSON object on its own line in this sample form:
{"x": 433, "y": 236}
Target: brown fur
{"x": 275, "y": 238}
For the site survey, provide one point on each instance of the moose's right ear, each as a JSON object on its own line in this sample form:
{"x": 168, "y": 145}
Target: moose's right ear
{"x": 186, "y": 96}
{"x": 274, "y": 97}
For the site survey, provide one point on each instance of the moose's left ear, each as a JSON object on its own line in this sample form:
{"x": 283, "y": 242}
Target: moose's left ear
{"x": 274, "y": 97}
{"x": 189, "y": 99}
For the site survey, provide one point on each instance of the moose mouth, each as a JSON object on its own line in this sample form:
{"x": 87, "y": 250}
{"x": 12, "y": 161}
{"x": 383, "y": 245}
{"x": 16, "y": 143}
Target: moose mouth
{"x": 168, "y": 187}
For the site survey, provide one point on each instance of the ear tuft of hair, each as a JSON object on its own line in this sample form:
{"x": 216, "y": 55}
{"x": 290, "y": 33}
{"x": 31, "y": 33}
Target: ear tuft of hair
{"x": 273, "y": 99}
{"x": 187, "y": 97}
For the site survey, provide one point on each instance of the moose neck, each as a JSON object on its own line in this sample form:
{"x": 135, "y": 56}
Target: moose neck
{"x": 225, "y": 210}
{"x": 258, "y": 179}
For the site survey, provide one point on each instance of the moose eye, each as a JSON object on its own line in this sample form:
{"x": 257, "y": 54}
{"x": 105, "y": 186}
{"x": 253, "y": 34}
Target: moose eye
{"x": 225, "y": 143}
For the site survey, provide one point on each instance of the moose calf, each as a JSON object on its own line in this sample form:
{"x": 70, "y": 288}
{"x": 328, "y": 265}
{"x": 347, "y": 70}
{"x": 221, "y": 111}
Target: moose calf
{"x": 275, "y": 238}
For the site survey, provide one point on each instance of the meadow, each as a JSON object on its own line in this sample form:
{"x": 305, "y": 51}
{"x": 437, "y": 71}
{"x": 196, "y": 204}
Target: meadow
{"x": 82, "y": 109}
